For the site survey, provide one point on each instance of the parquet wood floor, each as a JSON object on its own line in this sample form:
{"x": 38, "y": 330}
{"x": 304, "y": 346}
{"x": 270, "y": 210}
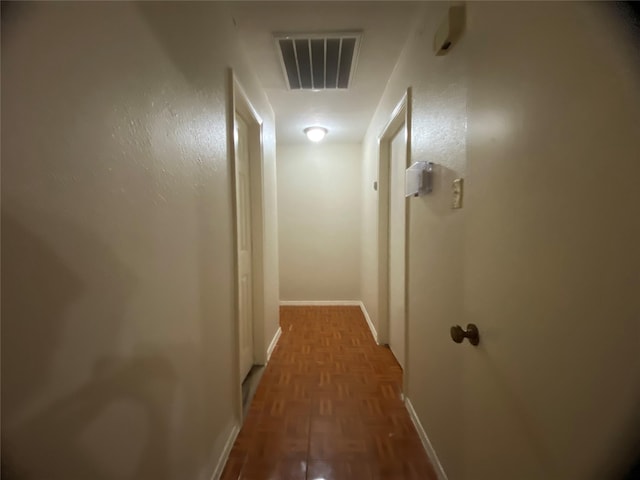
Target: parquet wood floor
{"x": 328, "y": 407}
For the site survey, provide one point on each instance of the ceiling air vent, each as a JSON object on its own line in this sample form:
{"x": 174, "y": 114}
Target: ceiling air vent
{"x": 318, "y": 61}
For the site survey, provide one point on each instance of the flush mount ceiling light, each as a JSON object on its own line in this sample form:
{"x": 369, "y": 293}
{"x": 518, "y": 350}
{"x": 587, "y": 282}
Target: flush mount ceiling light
{"x": 315, "y": 134}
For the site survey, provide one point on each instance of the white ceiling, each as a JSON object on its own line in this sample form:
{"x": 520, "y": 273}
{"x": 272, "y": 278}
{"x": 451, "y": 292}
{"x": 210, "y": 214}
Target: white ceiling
{"x": 346, "y": 114}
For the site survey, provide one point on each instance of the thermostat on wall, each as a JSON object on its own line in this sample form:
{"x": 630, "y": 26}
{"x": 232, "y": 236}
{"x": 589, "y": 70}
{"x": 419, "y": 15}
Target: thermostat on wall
{"x": 418, "y": 179}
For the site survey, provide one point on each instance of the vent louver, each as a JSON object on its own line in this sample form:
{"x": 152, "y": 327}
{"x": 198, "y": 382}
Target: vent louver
{"x": 318, "y": 61}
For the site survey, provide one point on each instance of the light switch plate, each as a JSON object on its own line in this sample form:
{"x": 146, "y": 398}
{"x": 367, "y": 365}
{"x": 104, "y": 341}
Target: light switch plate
{"x": 457, "y": 193}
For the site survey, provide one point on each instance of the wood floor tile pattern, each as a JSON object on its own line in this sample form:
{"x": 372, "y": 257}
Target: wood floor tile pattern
{"x": 328, "y": 407}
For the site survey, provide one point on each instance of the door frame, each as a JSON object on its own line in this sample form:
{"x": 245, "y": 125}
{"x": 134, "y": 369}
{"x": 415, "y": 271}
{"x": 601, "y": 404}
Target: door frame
{"x": 401, "y": 115}
{"x": 238, "y": 103}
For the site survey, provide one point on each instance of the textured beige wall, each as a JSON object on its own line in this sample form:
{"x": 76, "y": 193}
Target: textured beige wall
{"x": 117, "y": 312}
{"x": 538, "y": 108}
{"x": 319, "y": 192}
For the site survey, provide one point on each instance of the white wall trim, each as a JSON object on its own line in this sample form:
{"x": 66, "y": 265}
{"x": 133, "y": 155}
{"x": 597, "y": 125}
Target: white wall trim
{"x": 426, "y": 443}
{"x": 239, "y": 104}
{"x": 400, "y": 118}
{"x": 369, "y": 322}
{"x": 318, "y": 303}
{"x": 224, "y": 456}
{"x": 274, "y": 342}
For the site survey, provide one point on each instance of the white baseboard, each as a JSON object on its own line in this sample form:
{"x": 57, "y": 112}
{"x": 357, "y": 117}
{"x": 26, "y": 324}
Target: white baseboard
{"x": 274, "y": 342}
{"x": 319, "y": 303}
{"x": 369, "y": 322}
{"x": 437, "y": 466}
{"x": 217, "y": 473}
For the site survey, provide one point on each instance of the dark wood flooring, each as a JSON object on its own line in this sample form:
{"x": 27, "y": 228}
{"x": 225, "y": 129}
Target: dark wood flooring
{"x": 328, "y": 407}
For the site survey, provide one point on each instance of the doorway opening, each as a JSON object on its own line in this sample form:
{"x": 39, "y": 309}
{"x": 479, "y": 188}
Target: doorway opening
{"x": 246, "y": 158}
{"x": 395, "y": 156}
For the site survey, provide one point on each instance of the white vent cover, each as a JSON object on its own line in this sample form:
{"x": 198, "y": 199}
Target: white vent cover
{"x": 318, "y": 61}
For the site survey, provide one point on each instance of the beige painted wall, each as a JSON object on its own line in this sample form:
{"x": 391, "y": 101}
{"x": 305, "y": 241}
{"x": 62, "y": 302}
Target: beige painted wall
{"x": 538, "y": 109}
{"x": 319, "y": 192}
{"x": 117, "y": 247}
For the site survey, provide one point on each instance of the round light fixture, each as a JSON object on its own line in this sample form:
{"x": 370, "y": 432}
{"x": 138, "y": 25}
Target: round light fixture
{"x": 315, "y": 134}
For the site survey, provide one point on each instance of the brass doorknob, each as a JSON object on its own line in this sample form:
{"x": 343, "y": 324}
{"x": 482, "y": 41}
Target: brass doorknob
{"x": 472, "y": 333}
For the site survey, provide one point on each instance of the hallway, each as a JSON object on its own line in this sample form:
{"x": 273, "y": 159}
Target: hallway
{"x": 328, "y": 407}
{"x": 172, "y": 218}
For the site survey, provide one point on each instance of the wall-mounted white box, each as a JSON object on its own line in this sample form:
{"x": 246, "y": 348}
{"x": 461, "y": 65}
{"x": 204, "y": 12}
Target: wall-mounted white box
{"x": 418, "y": 179}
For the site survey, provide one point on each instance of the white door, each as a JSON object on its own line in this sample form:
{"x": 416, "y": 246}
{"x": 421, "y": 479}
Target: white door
{"x": 397, "y": 205}
{"x": 243, "y": 212}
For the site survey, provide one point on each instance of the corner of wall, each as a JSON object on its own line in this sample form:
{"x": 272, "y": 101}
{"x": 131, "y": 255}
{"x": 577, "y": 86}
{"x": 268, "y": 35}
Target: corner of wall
{"x": 374, "y": 332}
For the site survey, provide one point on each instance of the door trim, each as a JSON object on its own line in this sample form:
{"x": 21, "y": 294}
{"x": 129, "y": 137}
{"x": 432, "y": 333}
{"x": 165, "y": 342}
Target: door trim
{"x": 238, "y": 102}
{"x": 401, "y": 115}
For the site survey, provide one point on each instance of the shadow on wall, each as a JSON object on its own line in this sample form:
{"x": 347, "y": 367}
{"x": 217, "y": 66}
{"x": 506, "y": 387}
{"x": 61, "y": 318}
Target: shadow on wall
{"x": 54, "y": 436}
{"x": 37, "y": 287}
{"x": 51, "y": 428}
{"x": 99, "y": 380}
{"x": 183, "y": 29}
